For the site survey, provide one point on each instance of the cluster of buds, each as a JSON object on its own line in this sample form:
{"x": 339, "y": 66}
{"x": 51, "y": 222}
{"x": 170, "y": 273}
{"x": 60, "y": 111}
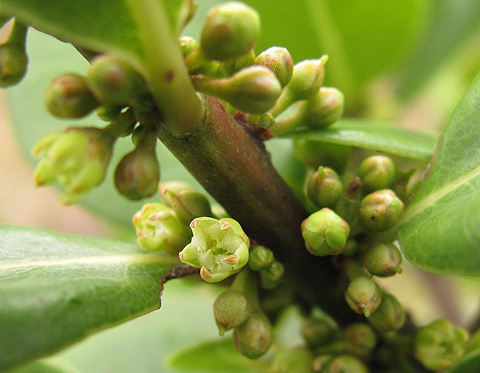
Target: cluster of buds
{"x": 224, "y": 65}
{"x": 270, "y": 270}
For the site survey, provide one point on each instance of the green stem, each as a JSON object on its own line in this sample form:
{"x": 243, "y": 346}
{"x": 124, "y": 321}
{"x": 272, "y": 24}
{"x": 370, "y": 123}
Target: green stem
{"x": 18, "y": 34}
{"x": 165, "y": 70}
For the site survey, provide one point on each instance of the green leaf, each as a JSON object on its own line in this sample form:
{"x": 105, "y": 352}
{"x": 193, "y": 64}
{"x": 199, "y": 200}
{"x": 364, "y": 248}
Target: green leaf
{"x": 219, "y": 356}
{"x": 45, "y": 366}
{"x": 96, "y": 25}
{"x": 56, "y": 289}
{"x": 373, "y": 135}
{"x": 468, "y": 363}
{"x": 439, "y": 229}
{"x": 362, "y": 38}
{"x": 451, "y": 24}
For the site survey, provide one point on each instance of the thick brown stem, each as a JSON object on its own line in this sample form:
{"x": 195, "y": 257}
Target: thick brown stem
{"x": 235, "y": 169}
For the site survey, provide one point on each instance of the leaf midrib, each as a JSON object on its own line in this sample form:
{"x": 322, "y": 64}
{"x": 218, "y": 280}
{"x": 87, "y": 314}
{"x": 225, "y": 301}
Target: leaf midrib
{"x": 103, "y": 260}
{"x": 428, "y": 201}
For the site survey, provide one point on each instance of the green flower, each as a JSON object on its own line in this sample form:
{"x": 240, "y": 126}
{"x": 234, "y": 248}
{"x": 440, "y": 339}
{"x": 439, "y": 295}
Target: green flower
{"x": 76, "y": 160}
{"x": 218, "y": 247}
{"x": 158, "y": 228}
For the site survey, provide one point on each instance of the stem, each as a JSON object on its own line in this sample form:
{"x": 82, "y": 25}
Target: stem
{"x": 235, "y": 168}
{"x": 165, "y": 70}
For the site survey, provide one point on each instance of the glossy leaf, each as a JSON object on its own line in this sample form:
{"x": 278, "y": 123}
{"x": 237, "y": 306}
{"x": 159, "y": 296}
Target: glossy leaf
{"x": 362, "y": 38}
{"x": 56, "y": 289}
{"x": 451, "y": 24}
{"x": 439, "y": 229}
{"x": 218, "y": 356}
{"x": 375, "y": 136}
{"x": 96, "y": 25}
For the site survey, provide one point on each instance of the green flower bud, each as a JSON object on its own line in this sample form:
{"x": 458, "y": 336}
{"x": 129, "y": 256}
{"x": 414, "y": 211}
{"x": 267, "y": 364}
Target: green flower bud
{"x": 189, "y": 204}
{"x": 354, "y": 269}
{"x": 138, "y": 174}
{"x": 232, "y": 66}
{"x": 279, "y": 61}
{"x": 319, "y": 331}
{"x": 270, "y": 276}
{"x": 306, "y": 81}
{"x": 172, "y": 187}
{"x": 114, "y": 81}
{"x": 124, "y": 125}
{"x": 389, "y": 315}
{"x": 76, "y": 160}
{"x": 383, "y": 260}
{"x": 363, "y": 295}
{"x": 344, "y": 364}
{"x": 188, "y": 45}
{"x": 376, "y": 173}
{"x": 158, "y": 228}
{"x": 317, "y": 153}
{"x": 360, "y": 339}
{"x": 218, "y": 247}
{"x": 260, "y": 258}
{"x": 439, "y": 344}
{"x": 13, "y": 64}
{"x": 68, "y": 96}
{"x": 253, "y": 89}
{"x": 231, "y": 309}
{"x": 296, "y": 360}
{"x": 254, "y": 337}
{"x": 320, "y": 363}
{"x": 379, "y": 211}
{"x": 231, "y": 30}
{"x": 351, "y": 247}
{"x": 325, "y": 233}
{"x": 109, "y": 113}
{"x": 324, "y": 187}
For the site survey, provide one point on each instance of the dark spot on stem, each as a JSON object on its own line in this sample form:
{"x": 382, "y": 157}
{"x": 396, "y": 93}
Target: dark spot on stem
{"x": 169, "y": 75}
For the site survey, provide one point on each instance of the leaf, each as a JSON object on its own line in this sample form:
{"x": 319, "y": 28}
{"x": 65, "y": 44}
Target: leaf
{"x": 96, "y": 25}
{"x": 373, "y": 135}
{"x": 467, "y": 363}
{"x": 362, "y": 38}
{"x": 49, "y": 58}
{"x": 45, "y": 366}
{"x": 451, "y": 24}
{"x": 56, "y": 289}
{"x": 439, "y": 229}
{"x": 219, "y": 356}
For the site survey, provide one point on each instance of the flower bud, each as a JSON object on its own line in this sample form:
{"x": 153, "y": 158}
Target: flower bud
{"x": 187, "y": 45}
{"x": 260, "y": 258}
{"x": 306, "y": 81}
{"x": 318, "y": 331}
{"x": 68, "y": 96}
{"x": 189, "y": 204}
{"x": 76, "y": 160}
{"x": 109, "y": 113}
{"x": 231, "y": 30}
{"x": 296, "y": 360}
{"x": 320, "y": 363}
{"x": 172, "y": 187}
{"x": 383, "y": 260}
{"x": 13, "y": 64}
{"x": 253, "y": 89}
{"x": 389, "y": 315}
{"x": 158, "y": 228}
{"x": 138, "y": 174}
{"x": 232, "y": 66}
{"x": 231, "y": 309}
{"x": 379, "y": 211}
{"x": 324, "y": 187}
{"x": 377, "y": 173}
{"x": 325, "y": 233}
{"x": 351, "y": 247}
{"x": 344, "y": 363}
{"x": 279, "y": 61}
{"x": 323, "y": 109}
{"x": 254, "y": 337}
{"x": 363, "y": 295}
{"x": 114, "y": 81}
{"x": 360, "y": 339}
{"x": 439, "y": 344}
{"x": 270, "y": 276}
{"x": 218, "y": 247}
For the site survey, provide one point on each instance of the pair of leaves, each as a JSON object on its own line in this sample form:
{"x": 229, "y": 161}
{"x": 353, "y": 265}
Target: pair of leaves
{"x": 56, "y": 289}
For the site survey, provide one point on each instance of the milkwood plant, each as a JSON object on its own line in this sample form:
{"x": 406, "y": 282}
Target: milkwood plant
{"x": 297, "y": 254}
